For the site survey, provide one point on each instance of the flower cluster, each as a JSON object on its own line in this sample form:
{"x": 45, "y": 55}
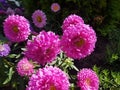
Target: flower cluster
{"x": 78, "y": 39}
{"x": 49, "y": 78}
{"x": 45, "y": 47}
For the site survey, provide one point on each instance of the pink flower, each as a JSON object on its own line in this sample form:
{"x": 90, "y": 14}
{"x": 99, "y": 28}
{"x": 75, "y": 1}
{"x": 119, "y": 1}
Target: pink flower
{"x": 55, "y": 7}
{"x": 24, "y": 67}
{"x": 16, "y": 28}
{"x": 88, "y": 80}
{"x": 78, "y": 41}
{"x": 72, "y": 20}
{"x": 39, "y": 18}
{"x": 49, "y": 78}
{"x": 43, "y": 48}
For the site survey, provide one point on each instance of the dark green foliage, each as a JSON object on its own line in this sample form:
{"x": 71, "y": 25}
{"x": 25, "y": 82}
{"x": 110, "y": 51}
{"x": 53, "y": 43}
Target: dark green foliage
{"x": 113, "y": 47}
{"x": 6, "y": 71}
{"x": 109, "y": 76}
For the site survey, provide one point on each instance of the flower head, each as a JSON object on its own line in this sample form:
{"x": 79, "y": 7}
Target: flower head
{"x": 24, "y": 67}
{"x": 45, "y": 47}
{"x": 10, "y": 11}
{"x": 4, "y": 50}
{"x": 39, "y": 18}
{"x": 87, "y": 79}
{"x": 55, "y": 7}
{"x": 78, "y": 41}
{"x": 49, "y": 78}
{"x": 72, "y": 20}
{"x": 16, "y": 28}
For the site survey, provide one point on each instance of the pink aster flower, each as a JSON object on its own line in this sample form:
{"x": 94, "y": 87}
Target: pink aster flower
{"x": 49, "y": 78}
{"x": 78, "y": 41}
{"x": 24, "y": 67}
{"x": 55, "y": 7}
{"x": 72, "y": 20}
{"x": 45, "y": 47}
{"x": 16, "y": 28}
{"x": 87, "y": 79}
{"x": 39, "y": 18}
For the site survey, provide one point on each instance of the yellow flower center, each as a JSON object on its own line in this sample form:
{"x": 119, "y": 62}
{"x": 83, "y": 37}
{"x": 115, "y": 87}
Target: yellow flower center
{"x": 80, "y": 42}
{"x": 52, "y": 87}
{"x": 15, "y": 29}
{"x": 39, "y": 19}
{"x": 88, "y": 81}
{"x": 1, "y": 47}
{"x": 55, "y": 7}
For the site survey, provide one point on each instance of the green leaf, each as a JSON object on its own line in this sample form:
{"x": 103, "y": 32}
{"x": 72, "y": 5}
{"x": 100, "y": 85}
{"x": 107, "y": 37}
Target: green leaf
{"x": 106, "y": 72}
{"x": 117, "y": 78}
{"x": 96, "y": 69}
{"x": 23, "y": 49}
{"x": 74, "y": 67}
{"x": 115, "y": 88}
{"x": 7, "y": 63}
{"x": 10, "y": 73}
{"x": 72, "y": 86}
{"x": 12, "y": 55}
{"x": 115, "y": 56}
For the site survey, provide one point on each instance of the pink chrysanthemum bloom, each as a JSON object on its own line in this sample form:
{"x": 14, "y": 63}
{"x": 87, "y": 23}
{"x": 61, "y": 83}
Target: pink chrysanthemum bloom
{"x": 88, "y": 80}
{"x": 78, "y": 41}
{"x": 16, "y": 28}
{"x": 72, "y": 20}
{"x": 39, "y": 18}
{"x": 55, "y": 7}
{"x": 49, "y": 78}
{"x": 43, "y": 48}
{"x": 24, "y": 67}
